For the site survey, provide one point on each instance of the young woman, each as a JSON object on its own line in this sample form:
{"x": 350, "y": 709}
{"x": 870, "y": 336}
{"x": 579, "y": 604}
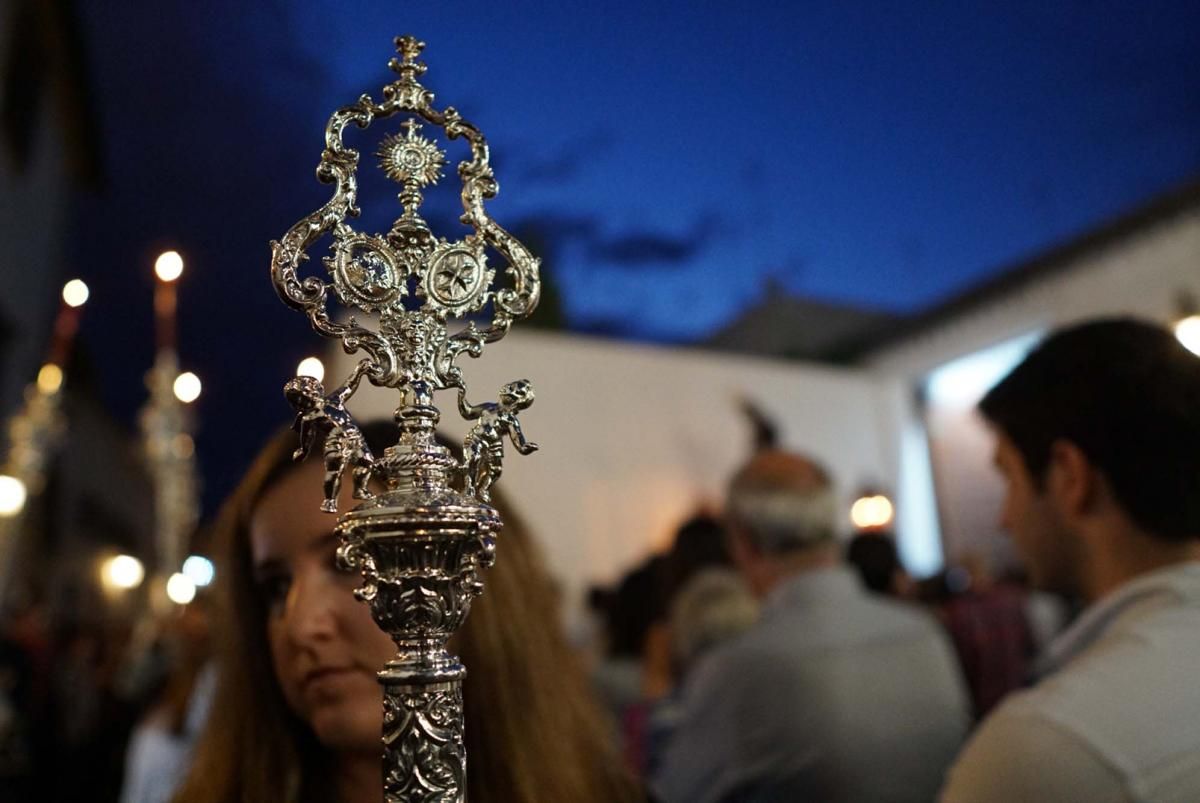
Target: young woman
{"x": 297, "y": 716}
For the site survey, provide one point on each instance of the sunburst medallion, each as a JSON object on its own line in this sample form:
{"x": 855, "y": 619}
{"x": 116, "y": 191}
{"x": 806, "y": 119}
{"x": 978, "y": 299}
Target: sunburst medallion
{"x": 411, "y": 157}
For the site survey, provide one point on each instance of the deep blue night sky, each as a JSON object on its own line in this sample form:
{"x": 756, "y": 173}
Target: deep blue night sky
{"x": 680, "y": 154}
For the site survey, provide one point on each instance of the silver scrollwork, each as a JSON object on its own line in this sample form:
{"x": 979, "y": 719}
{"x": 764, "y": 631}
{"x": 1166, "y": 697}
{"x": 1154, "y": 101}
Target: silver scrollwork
{"x": 423, "y": 536}
{"x": 423, "y": 741}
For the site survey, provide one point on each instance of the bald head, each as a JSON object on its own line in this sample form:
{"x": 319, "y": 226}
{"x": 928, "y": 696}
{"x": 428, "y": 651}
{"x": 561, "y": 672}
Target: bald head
{"x": 783, "y": 502}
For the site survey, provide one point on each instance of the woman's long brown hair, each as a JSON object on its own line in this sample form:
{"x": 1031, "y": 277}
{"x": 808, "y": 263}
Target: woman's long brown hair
{"x": 534, "y": 733}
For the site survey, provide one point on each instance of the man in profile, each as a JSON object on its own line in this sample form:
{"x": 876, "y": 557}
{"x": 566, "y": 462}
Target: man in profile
{"x": 1098, "y": 439}
{"x": 835, "y": 695}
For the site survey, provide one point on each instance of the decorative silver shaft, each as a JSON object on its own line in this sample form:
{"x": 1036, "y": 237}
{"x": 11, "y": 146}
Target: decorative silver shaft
{"x": 424, "y": 758}
{"x": 422, "y": 542}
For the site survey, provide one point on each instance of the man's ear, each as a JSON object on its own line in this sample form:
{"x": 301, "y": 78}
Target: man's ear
{"x": 1071, "y": 479}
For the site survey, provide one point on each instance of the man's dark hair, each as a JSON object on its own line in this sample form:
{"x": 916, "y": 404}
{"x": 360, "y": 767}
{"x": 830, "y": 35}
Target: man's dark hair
{"x": 1127, "y": 393}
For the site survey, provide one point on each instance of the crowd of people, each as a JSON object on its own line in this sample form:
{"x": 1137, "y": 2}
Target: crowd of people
{"x": 762, "y": 658}
{"x": 853, "y": 683}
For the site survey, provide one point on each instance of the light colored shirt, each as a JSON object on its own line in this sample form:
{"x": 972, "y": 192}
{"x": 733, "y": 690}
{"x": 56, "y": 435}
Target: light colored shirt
{"x": 835, "y": 695}
{"x": 1117, "y": 715}
{"x": 157, "y": 761}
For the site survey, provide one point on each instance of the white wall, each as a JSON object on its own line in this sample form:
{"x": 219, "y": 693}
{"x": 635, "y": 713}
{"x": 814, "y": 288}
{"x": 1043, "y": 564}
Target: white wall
{"x": 633, "y": 439}
{"x": 1141, "y": 275}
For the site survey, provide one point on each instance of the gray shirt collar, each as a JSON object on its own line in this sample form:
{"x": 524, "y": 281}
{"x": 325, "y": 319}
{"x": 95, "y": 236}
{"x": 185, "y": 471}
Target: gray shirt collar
{"x": 812, "y": 586}
{"x": 1117, "y": 609}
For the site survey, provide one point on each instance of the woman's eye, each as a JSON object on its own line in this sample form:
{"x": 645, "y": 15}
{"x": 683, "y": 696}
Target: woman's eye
{"x": 274, "y": 590}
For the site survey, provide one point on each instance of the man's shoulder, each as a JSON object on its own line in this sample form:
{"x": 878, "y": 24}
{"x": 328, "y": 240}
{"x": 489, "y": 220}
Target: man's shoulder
{"x": 860, "y": 610}
{"x": 1022, "y": 752}
{"x": 803, "y": 642}
{"x": 1132, "y": 696}
{"x": 759, "y": 646}
{"x": 902, "y": 614}
{"x": 1120, "y": 715}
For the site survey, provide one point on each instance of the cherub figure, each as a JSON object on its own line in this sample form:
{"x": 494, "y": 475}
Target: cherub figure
{"x": 483, "y": 449}
{"x": 344, "y": 443}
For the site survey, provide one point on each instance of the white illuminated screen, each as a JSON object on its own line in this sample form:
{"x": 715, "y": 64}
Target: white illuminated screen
{"x": 951, "y": 390}
{"x": 962, "y": 382}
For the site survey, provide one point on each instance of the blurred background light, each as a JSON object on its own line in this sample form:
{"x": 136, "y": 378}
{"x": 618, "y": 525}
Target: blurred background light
{"x": 49, "y": 378}
{"x": 75, "y": 293}
{"x": 311, "y": 366}
{"x": 187, "y": 387}
{"x": 872, "y": 512}
{"x": 1188, "y": 332}
{"x": 199, "y": 570}
{"x": 182, "y": 446}
{"x": 180, "y": 589}
{"x": 122, "y": 572}
{"x": 168, "y": 266}
{"x": 12, "y": 495}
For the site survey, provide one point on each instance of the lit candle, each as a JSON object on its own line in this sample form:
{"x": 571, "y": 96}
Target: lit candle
{"x": 66, "y": 323}
{"x": 168, "y": 267}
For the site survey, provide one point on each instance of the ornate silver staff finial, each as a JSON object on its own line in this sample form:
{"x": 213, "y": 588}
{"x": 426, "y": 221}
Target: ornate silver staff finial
{"x": 421, "y": 542}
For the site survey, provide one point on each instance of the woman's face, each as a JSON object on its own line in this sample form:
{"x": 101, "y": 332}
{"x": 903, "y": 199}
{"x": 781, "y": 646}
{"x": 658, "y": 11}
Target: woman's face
{"x": 325, "y": 647}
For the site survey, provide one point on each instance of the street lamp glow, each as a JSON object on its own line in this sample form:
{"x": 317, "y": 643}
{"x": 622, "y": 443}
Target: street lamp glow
{"x": 1188, "y": 333}
{"x": 311, "y": 366}
{"x": 123, "y": 572}
{"x": 180, "y": 589}
{"x": 871, "y": 512}
{"x": 187, "y": 387}
{"x": 168, "y": 266}
{"x": 199, "y": 570}
{"x": 75, "y": 293}
{"x": 49, "y": 378}
{"x": 12, "y": 495}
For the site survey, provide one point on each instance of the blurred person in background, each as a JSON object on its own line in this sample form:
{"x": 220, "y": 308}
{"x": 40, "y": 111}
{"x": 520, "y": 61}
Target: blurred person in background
{"x": 713, "y": 607}
{"x": 873, "y": 555}
{"x": 988, "y": 624}
{"x": 702, "y": 602}
{"x": 17, "y": 715}
{"x": 631, "y": 611}
{"x": 1098, "y": 441}
{"x": 24, "y": 674}
{"x": 835, "y": 695}
{"x": 276, "y": 733}
{"x": 90, "y": 717}
{"x": 699, "y": 545}
{"x": 160, "y": 749}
